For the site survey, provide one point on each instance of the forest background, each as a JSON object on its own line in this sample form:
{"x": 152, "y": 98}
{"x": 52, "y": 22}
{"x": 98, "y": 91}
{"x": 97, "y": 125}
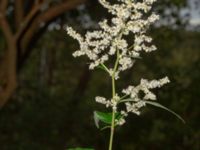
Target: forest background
{"x": 47, "y": 96}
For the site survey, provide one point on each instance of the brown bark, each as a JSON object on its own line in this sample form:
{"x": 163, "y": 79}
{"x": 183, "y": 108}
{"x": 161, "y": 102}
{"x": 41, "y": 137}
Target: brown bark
{"x": 9, "y": 61}
{"x": 19, "y": 13}
{"x": 25, "y": 25}
{"x": 10, "y": 74}
{"x": 27, "y": 20}
{"x": 3, "y": 6}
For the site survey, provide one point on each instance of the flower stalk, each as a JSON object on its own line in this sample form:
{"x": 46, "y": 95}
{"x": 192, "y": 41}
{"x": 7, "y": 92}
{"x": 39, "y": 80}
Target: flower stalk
{"x": 129, "y": 17}
{"x": 112, "y": 128}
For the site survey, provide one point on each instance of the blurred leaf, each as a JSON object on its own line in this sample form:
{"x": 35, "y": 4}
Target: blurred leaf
{"x": 165, "y": 108}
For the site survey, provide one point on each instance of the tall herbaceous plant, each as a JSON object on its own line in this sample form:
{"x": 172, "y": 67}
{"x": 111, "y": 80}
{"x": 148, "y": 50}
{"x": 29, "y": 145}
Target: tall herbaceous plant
{"x": 110, "y": 42}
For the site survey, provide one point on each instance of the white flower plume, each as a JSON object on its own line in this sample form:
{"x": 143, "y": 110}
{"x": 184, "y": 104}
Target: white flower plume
{"x": 134, "y": 102}
{"x": 128, "y": 17}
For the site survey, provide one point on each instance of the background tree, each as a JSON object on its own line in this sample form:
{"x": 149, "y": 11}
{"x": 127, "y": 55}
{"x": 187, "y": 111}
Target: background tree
{"x": 21, "y": 22}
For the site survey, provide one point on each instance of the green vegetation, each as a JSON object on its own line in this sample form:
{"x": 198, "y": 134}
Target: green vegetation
{"x": 50, "y": 115}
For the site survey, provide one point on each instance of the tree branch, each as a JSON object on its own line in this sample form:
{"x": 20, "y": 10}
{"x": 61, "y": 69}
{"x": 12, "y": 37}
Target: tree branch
{"x": 24, "y": 35}
{"x": 59, "y": 9}
{"x": 3, "y": 21}
{"x": 9, "y": 61}
{"x": 6, "y": 29}
{"x": 3, "y": 6}
{"x": 46, "y": 16}
{"x": 19, "y": 12}
{"x": 28, "y": 19}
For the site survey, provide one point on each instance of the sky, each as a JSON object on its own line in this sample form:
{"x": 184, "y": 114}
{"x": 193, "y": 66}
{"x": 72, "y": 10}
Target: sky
{"x": 194, "y": 11}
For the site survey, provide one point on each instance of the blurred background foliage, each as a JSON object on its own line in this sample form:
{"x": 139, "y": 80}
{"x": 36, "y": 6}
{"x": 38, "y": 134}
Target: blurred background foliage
{"x": 52, "y": 108}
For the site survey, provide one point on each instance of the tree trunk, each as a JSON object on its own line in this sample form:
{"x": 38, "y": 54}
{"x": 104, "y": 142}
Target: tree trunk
{"x": 25, "y": 27}
{"x": 9, "y": 73}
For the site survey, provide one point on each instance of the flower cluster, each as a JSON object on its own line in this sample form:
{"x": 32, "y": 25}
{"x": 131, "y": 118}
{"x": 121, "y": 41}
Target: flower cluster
{"x": 134, "y": 101}
{"x": 109, "y": 103}
{"x": 129, "y": 16}
{"x": 145, "y": 87}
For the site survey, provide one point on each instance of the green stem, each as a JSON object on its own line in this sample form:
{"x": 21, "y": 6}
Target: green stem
{"x": 112, "y": 129}
{"x": 126, "y": 100}
{"x": 123, "y": 97}
{"x": 113, "y": 86}
{"x": 105, "y": 67}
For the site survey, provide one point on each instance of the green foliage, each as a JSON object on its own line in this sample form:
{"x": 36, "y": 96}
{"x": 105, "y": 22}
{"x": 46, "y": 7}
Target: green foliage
{"x": 105, "y": 118}
{"x": 40, "y": 114}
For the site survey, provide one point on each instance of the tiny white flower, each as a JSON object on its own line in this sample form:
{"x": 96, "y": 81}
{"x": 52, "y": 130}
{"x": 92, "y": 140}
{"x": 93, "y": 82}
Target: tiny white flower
{"x": 120, "y": 122}
{"x": 123, "y": 113}
{"x": 100, "y": 99}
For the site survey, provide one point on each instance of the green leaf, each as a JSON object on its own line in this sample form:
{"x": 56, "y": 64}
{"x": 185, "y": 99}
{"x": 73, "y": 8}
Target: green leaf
{"x": 165, "y": 108}
{"x": 103, "y": 67}
{"x": 80, "y": 148}
{"x": 104, "y": 117}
